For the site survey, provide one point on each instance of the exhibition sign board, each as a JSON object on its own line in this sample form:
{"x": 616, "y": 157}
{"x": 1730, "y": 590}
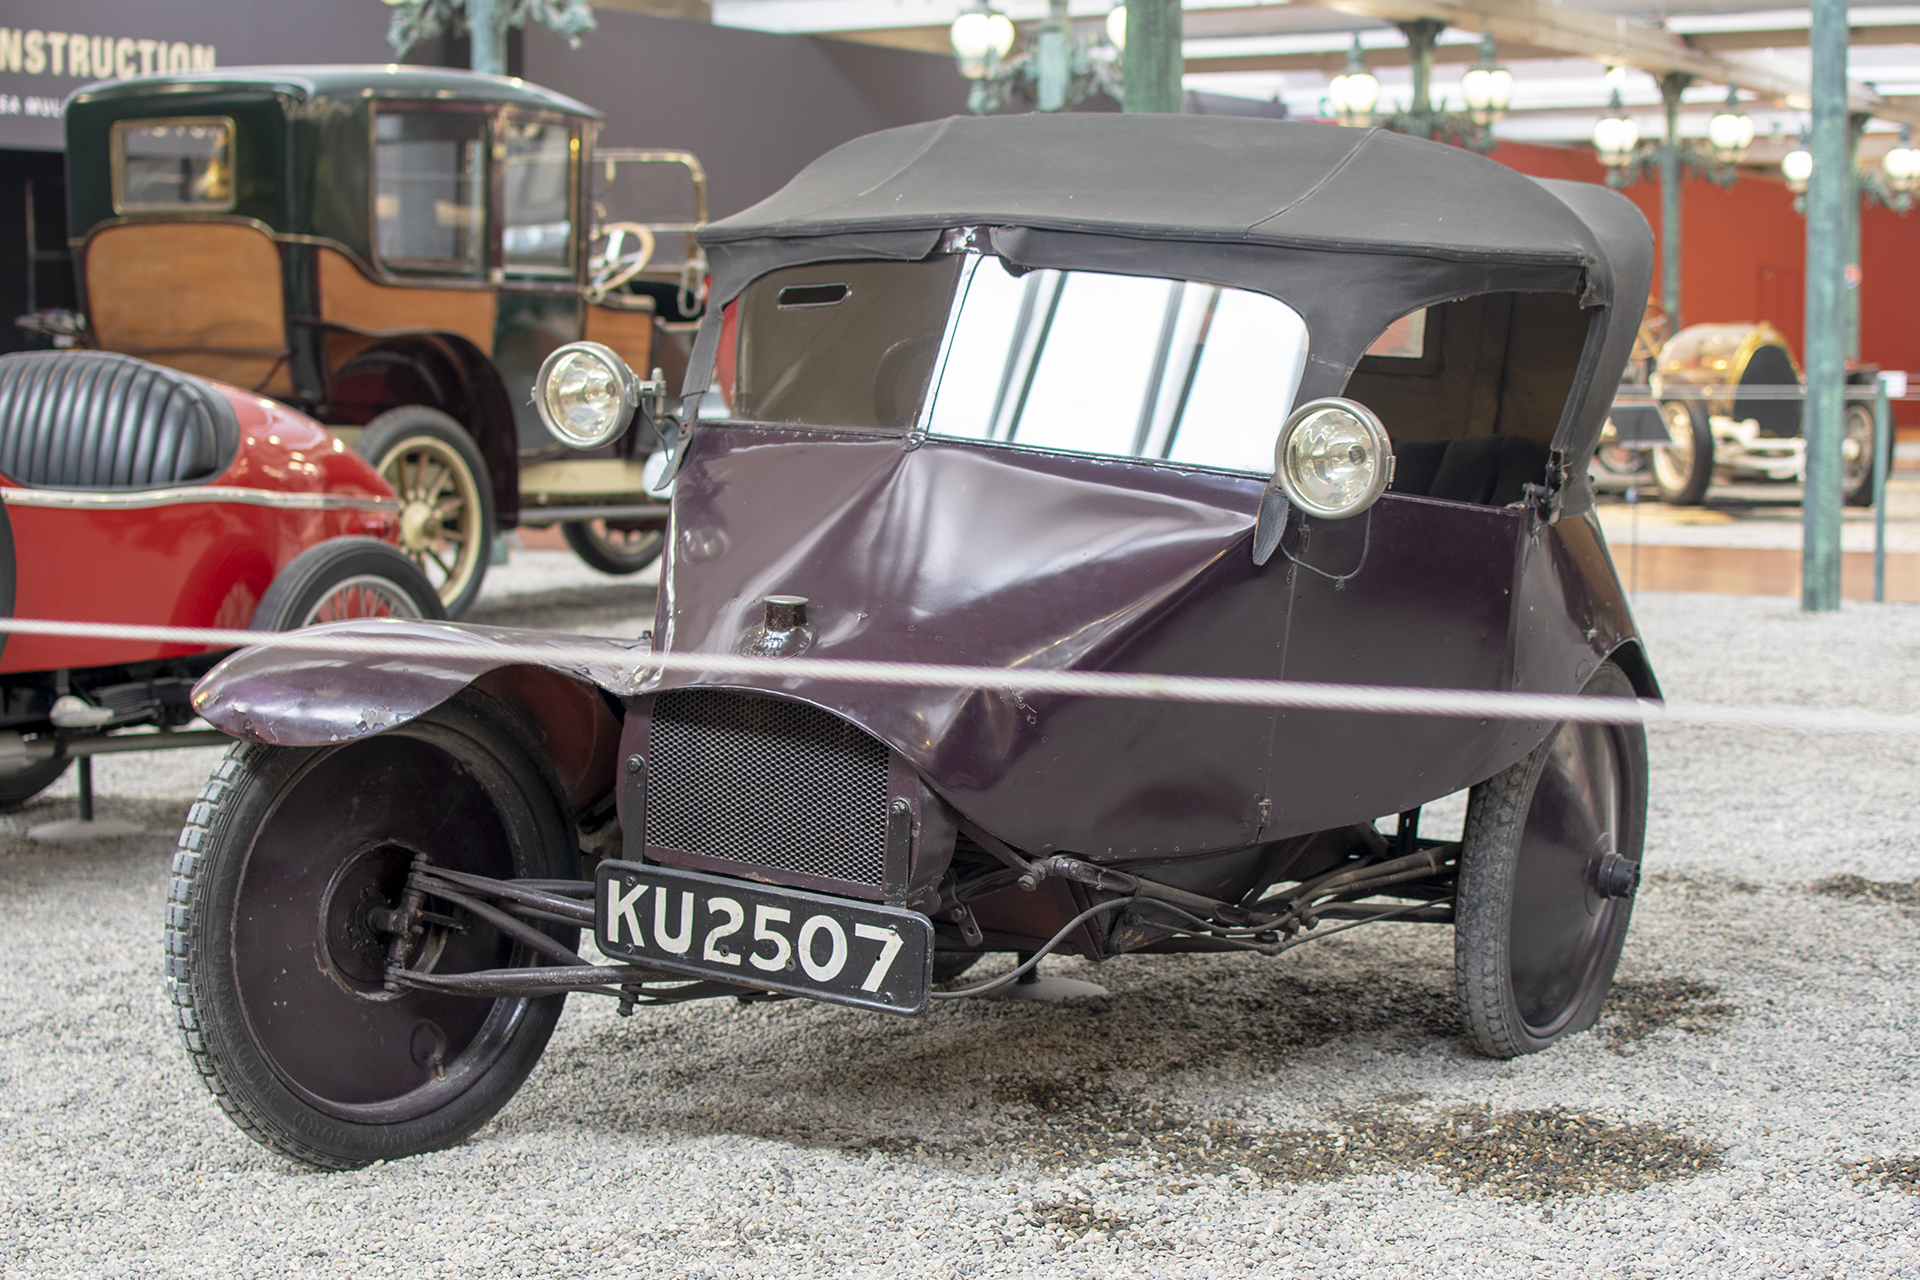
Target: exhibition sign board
{"x": 49, "y": 48}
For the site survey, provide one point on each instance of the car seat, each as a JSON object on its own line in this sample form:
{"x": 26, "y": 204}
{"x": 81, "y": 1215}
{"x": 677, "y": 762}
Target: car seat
{"x": 1489, "y": 470}
{"x": 101, "y": 420}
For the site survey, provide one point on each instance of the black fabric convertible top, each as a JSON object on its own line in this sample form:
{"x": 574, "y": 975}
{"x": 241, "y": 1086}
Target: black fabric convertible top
{"x": 1352, "y": 228}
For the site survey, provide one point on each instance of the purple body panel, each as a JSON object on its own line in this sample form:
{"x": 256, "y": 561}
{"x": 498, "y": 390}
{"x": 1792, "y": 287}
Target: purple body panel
{"x": 986, "y": 554}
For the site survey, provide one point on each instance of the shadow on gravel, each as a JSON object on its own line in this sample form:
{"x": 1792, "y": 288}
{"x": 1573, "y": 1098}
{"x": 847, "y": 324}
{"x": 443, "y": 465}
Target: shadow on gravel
{"x": 988, "y": 1086}
{"x": 1522, "y": 1155}
{"x": 1899, "y": 1175}
{"x": 1636, "y": 1010}
{"x": 1859, "y": 888}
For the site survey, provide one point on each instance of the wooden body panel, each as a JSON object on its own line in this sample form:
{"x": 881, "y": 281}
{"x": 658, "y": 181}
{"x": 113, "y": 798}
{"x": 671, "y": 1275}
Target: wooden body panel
{"x": 349, "y": 299}
{"x": 628, "y": 332}
{"x": 201, "y": 297}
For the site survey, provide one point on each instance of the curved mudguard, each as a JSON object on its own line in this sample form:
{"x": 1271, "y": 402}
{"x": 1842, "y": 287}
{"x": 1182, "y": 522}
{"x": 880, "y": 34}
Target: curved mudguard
{"x": 293, "y": 698}
{"x": 299, "y": 698}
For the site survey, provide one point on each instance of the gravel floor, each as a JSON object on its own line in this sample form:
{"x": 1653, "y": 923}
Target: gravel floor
{"x": 1744, "y": 1108}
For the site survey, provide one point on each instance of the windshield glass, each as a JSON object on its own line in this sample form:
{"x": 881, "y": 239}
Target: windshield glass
{"x": 1126, "y": 366}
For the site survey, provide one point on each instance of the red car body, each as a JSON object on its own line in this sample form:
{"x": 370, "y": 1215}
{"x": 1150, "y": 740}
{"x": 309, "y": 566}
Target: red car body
{"x": 190, "y": 555}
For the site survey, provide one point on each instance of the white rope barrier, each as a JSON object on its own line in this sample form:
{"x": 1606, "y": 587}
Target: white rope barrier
{"x": 637, "y": 661}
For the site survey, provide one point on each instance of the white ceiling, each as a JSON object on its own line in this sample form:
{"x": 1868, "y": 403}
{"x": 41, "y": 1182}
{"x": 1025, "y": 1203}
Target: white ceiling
{"x": 1556, "y": 99}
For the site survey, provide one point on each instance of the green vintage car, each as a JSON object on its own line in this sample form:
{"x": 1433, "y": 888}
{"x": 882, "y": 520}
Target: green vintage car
{"x": 395, "y": 250}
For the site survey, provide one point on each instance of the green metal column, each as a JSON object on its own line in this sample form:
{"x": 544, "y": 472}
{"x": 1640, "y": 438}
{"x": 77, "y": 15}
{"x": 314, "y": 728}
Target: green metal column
{"x": 1152, "y": 63}
{"x": 1850, "y": 296}
{"x": 1421, "y": 36}
{"x": 1828, "y": 193}
{"x": 1050, "y": 58}
{"x": 1671, "y": 176}
{"x": 489, "y": 49}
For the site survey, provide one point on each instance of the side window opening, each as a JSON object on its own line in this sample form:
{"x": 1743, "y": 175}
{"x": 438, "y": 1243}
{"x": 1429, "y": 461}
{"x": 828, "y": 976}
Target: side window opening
{"x": 429, "y": 182}
{"x": 1473, "y": 405}
{"x": 173, "y": 166}
{"x": 537, "y": 215}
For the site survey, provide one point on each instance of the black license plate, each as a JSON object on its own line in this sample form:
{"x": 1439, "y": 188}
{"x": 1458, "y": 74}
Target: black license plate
{"x": 808, "y": 944}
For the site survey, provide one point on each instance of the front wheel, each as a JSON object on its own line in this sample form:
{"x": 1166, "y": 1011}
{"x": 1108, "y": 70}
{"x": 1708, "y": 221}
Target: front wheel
{"x": 344, "y": 578}
{"x": 278, "y": 934}
{"x": 617, "y": 547}
{"x": 446, "y": 501}
{"x": 1683, "y": 468}
{"x": 1549, "y": 864}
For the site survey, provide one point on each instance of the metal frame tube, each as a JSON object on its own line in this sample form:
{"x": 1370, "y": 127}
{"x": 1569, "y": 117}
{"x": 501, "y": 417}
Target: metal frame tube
{"x": 1827, "y": 195}
{"x": 1671, "y": 177}
{"x": 1152, "y": 62}
{"x": 1882, "y": 454}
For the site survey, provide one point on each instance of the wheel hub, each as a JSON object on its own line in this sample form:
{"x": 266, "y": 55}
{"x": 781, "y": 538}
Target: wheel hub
{"x": 419, "y": 525}
{"x": 1612, "y": 876}
{"x": 356, "y": 919}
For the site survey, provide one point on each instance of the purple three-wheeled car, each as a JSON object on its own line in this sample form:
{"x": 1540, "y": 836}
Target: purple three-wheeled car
{"x": 1150, "y": 394}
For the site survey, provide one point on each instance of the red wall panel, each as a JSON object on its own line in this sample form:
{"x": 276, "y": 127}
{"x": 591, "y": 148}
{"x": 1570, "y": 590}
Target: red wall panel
{"x": 1744, "y": 250}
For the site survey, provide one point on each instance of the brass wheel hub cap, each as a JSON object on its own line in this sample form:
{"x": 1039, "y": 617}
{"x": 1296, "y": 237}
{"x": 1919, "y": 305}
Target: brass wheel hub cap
{"x": 419, "y": 525}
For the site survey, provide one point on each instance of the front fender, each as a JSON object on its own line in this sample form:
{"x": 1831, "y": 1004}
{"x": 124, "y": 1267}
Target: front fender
{"x": 293, "y": 698}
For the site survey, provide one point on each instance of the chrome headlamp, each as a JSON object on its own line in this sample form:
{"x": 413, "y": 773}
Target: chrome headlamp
{"x": 586, "y": 395}
{"x": 1333, "y": 458}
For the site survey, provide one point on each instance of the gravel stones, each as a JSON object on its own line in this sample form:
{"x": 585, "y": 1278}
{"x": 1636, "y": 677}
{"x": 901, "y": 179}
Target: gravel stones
{"x": 1743, "y": 1108}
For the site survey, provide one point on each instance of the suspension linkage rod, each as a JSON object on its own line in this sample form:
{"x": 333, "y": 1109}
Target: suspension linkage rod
{"x": 548, "y": 895}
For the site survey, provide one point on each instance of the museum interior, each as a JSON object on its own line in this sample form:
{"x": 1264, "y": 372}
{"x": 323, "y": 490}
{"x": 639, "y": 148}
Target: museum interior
{"x": 750, "y": 637}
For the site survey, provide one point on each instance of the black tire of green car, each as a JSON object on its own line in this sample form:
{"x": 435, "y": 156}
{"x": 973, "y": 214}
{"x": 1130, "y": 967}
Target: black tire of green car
{"x": 274, "y": 956}
{"x": 614, "y": 549}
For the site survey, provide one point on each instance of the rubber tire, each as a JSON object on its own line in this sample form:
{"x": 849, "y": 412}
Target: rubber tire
{"x": 1856, "y": 490}
{"x": 597, "y": 553}
{"x": 383, "y": 444}
{"x": 317, "y": 572}
{"x": 1493, "y": 848}
{"x": 239, "y": 802}
{"x": 1688, "y": 488}
{"x": 18, "y": 788}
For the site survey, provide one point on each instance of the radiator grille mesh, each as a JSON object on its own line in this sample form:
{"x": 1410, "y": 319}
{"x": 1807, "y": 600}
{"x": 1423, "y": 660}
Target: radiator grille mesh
{"x": 771, "y": 783}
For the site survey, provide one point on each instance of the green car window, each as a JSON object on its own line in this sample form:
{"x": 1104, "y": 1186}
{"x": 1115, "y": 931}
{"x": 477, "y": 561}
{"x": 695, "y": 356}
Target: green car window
{"x": 429, "y": 203}
{"x": 538, "y": 231}
{"x": 167, "y": 166}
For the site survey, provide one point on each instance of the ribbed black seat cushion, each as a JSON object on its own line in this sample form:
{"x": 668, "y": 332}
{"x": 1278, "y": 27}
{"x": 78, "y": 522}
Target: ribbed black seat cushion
{"x": 99, "y": 420}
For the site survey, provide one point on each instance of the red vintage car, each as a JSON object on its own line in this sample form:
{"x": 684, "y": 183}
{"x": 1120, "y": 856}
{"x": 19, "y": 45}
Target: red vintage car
{"x": 134, "y": 493}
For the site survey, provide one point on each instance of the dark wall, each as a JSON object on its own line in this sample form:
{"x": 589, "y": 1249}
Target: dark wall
{"x": 754, "y": 106}
{"x": 36, "y": 271}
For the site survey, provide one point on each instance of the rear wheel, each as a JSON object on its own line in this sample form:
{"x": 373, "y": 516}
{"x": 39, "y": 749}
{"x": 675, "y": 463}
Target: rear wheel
{"x": 446, "y": 501}
{"x": 346, "y": 578}
{"x": 276, "y": 941}
{"x": 618, "y": 547}
{"x": 1856, "y": 457}
{"x": 1549, "y": 864}
{"x": 1683, "y": 468}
